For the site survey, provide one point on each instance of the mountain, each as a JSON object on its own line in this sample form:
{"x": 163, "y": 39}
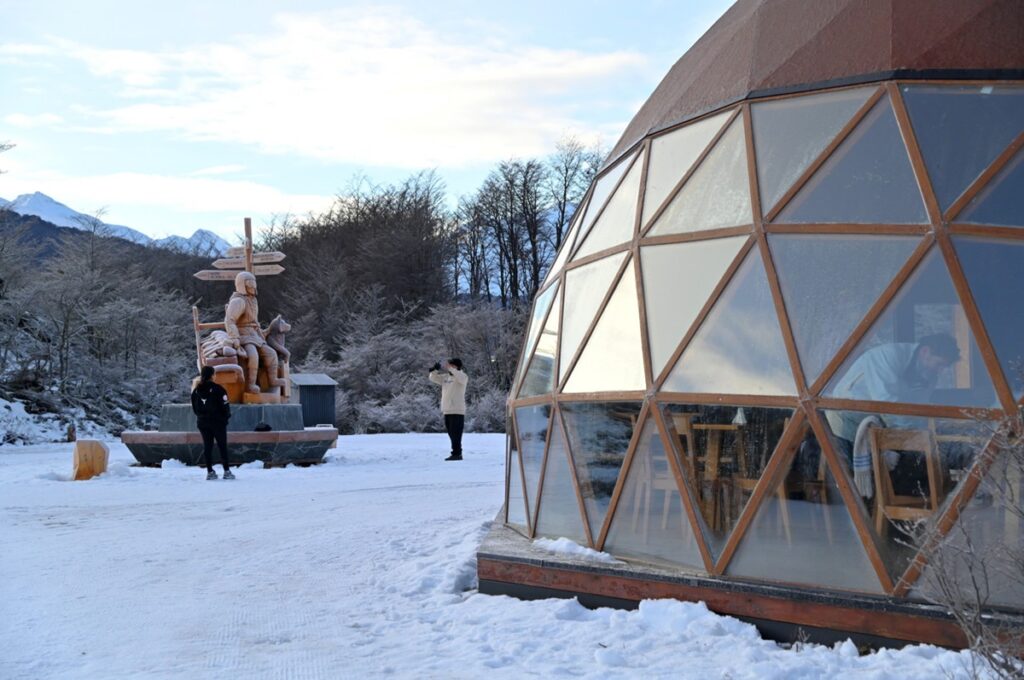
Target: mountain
{"x": 202, "y": 242}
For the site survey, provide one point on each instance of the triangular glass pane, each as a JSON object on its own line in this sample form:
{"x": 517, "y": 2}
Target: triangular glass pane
{"x": 868, "y": 178}
{"x": 650, "y": 522}
{"x": 678, "y": 279}
{"x": 717, "y": 194}
{"x": 909, "y": 468}
{"x": 585, "y": 288}
{"x": 803, "y": 533}
{"x": 672, "y": 155}
{"x": 920, "y": 350}
{"x": 559, "y": 513}
{"x": 540, "y": 377}
{"x": 722, "y": 451}
{"x": 516, "y": 500}
{"x": 613, "y": 358}
{"x": 540, "y": 309}
{"x": 603, "y": 188}
{"x": 739, "y": 348}
{"x": 567, "y": 243}
{"x": 616, "y": 222}
{"x": 829, "y": 283}
{"x": 599, "y": 436}
{"x": 533, "y": 436}
{"x": 789, "y": 134}
{"x": 985, "y": 548}
{"x": 999, "y": 203}
{"x": 995, "y": 274}
{"x": 961, "y": 129}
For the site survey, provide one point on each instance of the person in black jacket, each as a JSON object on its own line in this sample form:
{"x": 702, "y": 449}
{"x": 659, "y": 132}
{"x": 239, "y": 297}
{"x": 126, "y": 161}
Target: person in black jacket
{"x": 210, "y": 404}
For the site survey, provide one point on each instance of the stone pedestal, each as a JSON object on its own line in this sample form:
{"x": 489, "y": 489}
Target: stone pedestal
{"x": 287, "y": 442}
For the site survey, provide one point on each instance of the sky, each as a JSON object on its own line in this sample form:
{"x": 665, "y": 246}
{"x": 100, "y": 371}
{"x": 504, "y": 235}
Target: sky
{"x": 172, "y": 117}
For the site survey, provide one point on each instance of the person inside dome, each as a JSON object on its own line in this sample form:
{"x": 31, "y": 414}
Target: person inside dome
{"x": 903, "y": 372}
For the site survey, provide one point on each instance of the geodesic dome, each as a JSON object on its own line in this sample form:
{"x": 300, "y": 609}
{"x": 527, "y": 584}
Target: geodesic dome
{"x": 778, "y": 334}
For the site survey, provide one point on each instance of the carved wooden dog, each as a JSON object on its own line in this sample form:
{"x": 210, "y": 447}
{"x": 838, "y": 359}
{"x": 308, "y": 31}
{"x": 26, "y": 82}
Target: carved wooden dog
{"x": 274, "y": 336}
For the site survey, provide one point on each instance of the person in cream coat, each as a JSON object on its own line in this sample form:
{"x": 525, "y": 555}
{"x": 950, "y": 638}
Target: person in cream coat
{"x": 453, "y": 381}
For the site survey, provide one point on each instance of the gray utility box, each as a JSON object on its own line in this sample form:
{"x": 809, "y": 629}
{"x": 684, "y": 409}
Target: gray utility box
{"x": 315, "y": 392}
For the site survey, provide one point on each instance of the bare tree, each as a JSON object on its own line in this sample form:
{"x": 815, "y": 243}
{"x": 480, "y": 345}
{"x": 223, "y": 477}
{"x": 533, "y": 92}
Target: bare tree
{"x": 472, "y": 262}
{"x": 979, "y": 565}
{"x": 511, "y": 208}
{"x": 571, "y": 169}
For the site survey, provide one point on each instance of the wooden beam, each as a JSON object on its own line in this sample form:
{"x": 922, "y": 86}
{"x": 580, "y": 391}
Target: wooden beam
{"x": 984, "y": 178}
{"x": 851, "y": 499}
{"x": 613, "y": 505}
{"x": 248, "y": 245}
{"x": 728, "y": 599}
{"x": 723, "y": 283}
{"x": 774, "y": 473}
{"x": 670, "y": 442}
{"x": 841, "y": 136}
{"x": 689, "y": 173}
{"x": 575, "y": 480}
{"x": 872, "y": 315}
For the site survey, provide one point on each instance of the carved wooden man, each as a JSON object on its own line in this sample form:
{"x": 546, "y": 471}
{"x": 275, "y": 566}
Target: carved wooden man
{"x": 241, "y": 321}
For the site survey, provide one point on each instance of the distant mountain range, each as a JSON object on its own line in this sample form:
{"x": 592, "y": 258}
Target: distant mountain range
{"x": 202, "y": 242}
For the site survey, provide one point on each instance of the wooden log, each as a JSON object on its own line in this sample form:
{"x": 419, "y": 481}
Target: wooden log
{"x": 91, "y": 458}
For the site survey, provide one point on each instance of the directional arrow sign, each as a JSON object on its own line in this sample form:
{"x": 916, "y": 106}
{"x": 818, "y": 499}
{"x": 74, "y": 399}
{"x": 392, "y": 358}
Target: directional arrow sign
{"x": 257, "y": 258}
{"x": 230, "y": 274}
{"x": 230, "y": 263}
{"x": 215, "y": 275}
{"x": 237, "y": 251}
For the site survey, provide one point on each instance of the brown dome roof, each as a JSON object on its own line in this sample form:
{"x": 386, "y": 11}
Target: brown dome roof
{"x": 761, "y": 47}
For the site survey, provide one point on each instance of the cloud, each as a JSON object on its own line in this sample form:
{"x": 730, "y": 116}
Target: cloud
{"x": 219, "y": 170}
{"x": 371, "y": 87}
{"x": 163, "y": 199}
{"x": 25, "y": 120}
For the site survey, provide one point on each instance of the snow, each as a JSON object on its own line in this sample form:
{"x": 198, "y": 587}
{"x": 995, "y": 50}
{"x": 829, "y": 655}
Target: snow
{"x": 19, "y": 427}
{"x": 567, "y": 546}
{"x": 361, "y": 567}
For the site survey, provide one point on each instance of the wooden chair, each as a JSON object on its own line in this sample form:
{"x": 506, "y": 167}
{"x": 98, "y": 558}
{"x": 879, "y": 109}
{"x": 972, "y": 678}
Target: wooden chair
{"x": 714, "y": 491}
{"x": 816, "y": 491}
{"x": 889, "y": 505}
{"x": 651, "y": 478}
{"x": 682, "y": 424}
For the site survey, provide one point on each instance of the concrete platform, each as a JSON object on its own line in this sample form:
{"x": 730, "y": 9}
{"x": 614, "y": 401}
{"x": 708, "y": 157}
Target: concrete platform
{"x": 287, "y": 442}
{"x": 275, "y": 449}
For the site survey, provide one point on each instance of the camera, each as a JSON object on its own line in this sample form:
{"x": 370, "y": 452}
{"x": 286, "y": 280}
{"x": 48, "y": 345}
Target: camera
{"x": 436, "y": 367}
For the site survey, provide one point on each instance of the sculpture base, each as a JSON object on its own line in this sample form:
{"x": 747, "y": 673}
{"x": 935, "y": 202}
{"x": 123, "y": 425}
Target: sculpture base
{"x": 261, "y": 398}
{"x": 273, "y": 449}
{"x": 287, "y": 442}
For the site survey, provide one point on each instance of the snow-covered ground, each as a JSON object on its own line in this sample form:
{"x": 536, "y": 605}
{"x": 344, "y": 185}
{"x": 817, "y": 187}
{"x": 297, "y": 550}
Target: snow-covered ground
{"x": 19, "y": 427}
{"x": 362, "y": 567}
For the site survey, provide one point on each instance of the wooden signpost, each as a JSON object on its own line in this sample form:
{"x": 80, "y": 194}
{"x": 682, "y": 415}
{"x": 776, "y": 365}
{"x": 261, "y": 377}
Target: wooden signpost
{"x": 242, "y": 258}
{"x": 235, "y": 261}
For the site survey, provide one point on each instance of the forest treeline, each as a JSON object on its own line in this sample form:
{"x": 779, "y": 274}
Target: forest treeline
{"x": 388, "y": 280}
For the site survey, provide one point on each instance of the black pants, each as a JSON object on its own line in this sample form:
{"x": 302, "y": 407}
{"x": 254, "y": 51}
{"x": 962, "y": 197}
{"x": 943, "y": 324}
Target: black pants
{"x": 220, "y": 434}
{"x": 453, "y": 424}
